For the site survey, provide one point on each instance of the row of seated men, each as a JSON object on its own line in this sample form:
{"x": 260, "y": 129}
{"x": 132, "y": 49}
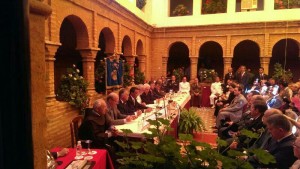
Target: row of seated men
{"x": 255, "y": 113}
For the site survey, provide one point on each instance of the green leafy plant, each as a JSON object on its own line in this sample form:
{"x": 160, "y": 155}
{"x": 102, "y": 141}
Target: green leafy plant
{"x": 178, "y": 73}
{"x": 181, "y": 10}
{"x": 139, "y": 77}
{"x": 73, "y": 88}
{"x": 286, "y": 4}
{"x": 281, "y": 74}
{"x": 214, "y": 6}
{"x": 161, "y": 151}
{"x": 100, "y": 77}
{"x": 190, "y": 121}
{"x": 141, "y": 3}
{"x": 127, "y": 77}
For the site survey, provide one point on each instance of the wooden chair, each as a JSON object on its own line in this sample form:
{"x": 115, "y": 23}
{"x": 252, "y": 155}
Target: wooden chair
{"x": 74, "y": 125}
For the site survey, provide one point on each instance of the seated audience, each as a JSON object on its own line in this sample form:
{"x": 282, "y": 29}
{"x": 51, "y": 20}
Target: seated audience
{"x": 141, "y": 91}
{"x": 196, "y": 93}
{"x": 173, "y": 84}
{"x": 254, "y": 124}
{"x": 224, "y": 102}
{"x": 234, "y": 110}
{"x": 112, "y": 101}
{"x": 184, "y": 86}
{"x": 216, "y": 91}
{"x": 280, "y": 145}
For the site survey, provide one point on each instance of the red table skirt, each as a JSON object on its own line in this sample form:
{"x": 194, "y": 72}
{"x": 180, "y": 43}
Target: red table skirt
{"x": 205, "y": 96}
{"x": 102, "y": 159}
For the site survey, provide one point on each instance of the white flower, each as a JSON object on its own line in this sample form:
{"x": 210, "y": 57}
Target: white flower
{"x": 74, "y": 65}
{"x": 81, "y": 77}
{"x": 77, "y": 70}
{"x": 70, "y": 75}
{"x": 75, "y": 78}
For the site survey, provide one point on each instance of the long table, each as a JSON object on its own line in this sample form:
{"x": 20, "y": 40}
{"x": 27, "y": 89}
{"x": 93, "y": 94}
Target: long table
{"x": 101, "y": 159}
{"x": 140, "y": 125}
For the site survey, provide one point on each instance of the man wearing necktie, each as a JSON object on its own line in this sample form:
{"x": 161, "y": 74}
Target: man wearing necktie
{"x": 228, "y": 75}
{"x": 261, "y": 76}
{"x": 112, "y": 101}
{"x": 280, "y": 145}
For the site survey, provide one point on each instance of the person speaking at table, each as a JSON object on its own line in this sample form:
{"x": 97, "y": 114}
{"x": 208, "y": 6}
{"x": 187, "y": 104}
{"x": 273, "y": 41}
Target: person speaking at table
{"x": 133, "y": 105}
{"x": 112, "y": 101}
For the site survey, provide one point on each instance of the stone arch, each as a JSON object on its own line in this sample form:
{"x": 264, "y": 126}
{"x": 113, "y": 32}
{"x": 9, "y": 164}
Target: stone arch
{"x": 73, "y": 35}
{"x": 126, "y": 46}
{"x": 106, "y": 44}
{"x": 246, "y": 53}
{"x": 179, "y": 57}
{"x": 82, "y": 38}
{"x": 289, "y": 50}
{"x": 109, "y": 39}
{"x": 211, "y": 57}
{"x": 140, "y": 48}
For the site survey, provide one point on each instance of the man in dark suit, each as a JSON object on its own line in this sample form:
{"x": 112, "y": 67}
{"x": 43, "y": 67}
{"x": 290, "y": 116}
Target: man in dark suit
{"x": 280, "y": 145}
{"x": 173, "y": 84}
{"x": 251, "y": 121}
{"x": 132, "y": 103}
{"x": 261, "y": 76}
{"x": 112, "y": 101}
{"x": 122, "y": 105}
{"x": 243, "y": 78}
{"x": 229, "y": 75}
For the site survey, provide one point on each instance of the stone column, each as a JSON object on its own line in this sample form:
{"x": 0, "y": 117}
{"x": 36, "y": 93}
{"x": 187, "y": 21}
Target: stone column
{"x": 264, "y": 62}
{"x": 130, "y": 60}
{"x": 88, "y": 66}
{"x": 51, "y": 48}
{"x": 142, "y": 63}
{"x": 194, "y": 62}
{"x": 227, "y": 63}
{"x": 164, "y": 65}
{"x": 39, "y": 11}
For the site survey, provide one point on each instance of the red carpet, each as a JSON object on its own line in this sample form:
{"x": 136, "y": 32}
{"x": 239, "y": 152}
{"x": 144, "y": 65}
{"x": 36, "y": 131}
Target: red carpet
{"x": 206, "y": 137}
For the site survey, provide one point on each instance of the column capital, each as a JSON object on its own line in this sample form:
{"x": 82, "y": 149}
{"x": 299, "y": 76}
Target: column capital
{"x": 88, "y": 52}
{"x": 51, "y": 48}
{"x": 142, "y": 58}
{"x": 227, "y": 59}
{"x": 265, "y": 59}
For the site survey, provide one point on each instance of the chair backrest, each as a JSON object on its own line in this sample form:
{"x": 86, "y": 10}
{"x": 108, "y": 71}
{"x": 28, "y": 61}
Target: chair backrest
{"x": 74, "y": 125}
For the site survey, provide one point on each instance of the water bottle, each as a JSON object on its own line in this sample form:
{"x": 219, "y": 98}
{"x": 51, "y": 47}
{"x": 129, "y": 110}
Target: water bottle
{"x": 78, "y": 148}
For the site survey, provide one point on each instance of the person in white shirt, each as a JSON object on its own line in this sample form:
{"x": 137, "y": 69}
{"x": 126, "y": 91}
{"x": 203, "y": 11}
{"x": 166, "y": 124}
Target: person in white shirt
{"x": 216, "y": 91}
{"x": 184, "y": 86}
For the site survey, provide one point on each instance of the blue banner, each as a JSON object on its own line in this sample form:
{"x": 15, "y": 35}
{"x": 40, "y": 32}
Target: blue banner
{"x": 114, "y": 72}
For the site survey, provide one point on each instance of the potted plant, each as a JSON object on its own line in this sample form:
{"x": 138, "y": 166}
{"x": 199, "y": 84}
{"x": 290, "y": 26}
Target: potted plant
{"x": 139, "y": 77}
{"x": 190, "y": 121}
{"x": 281, "y": 74}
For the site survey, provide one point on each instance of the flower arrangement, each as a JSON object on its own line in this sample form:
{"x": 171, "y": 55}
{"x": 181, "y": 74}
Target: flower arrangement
{"x": 207, "y": 75}
{"x": 286, "y": 4}
{"x": 178, "y": 73}
{"x": 73, "y": 88}
{"x": 180, "y": 10}
{"x": 214, "y": 6}
{"x": 141, "y": 3}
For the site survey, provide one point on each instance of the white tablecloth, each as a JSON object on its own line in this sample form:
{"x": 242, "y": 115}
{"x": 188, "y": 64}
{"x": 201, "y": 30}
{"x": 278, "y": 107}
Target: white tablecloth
{"x": 139, "y": 126}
